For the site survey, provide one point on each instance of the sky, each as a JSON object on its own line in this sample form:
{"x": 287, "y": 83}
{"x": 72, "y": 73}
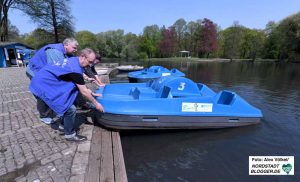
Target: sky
{"x": 133, "y": 15}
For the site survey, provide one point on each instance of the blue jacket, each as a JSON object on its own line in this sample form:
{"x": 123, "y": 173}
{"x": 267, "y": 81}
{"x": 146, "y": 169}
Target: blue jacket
{"x": 59, "y": 95}
{"x": 39, "y": 60}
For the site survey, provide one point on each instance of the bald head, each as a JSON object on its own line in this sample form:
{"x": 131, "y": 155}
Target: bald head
{"x": 87, "y": 57}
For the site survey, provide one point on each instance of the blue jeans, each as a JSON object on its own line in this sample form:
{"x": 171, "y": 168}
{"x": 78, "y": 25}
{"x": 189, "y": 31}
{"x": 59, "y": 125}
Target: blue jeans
{"x": 70, "y": 122}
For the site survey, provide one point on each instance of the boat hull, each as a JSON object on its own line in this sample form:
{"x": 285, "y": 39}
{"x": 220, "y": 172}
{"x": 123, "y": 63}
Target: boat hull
{"x": 131, "y": 122}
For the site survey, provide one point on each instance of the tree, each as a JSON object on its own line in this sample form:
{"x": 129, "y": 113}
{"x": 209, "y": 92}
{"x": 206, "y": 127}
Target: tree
{"x": 289, "y": 42}
{"x": 232, "y": 38}
{"x": 271, "y": 46}
{"x": 150, "y": 40}
{"x": 86, "y": 39}
{"x": 101, "y": 44}
{"x": 180, "y": 28}
{"x": 168, "y": 42}
{"x": 208, "y": 41}
{"x": 252, "y": 44}
{"x": 193, "y": 33}
{"x": 5, "y": 5}
{"x": 38, "y": 38}
{"x": 13, "y": 32}
{"x": 130, "y": 50}
{"x": 51, "y": 15}
{"x": 113, "y": 42}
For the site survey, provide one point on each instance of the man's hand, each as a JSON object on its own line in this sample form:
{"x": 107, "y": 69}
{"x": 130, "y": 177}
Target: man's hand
{"x": 102, "y": 84}
{"x": 89, "y": 95}
{"x": 90, "y": 79}
{"x": 99, "y": 84}
{"x": 99, "y": 107}
{"x": 96, "y": 94}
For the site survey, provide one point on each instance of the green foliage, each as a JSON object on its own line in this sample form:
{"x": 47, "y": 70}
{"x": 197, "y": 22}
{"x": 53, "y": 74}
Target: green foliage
{"x": 130, "y": 49}
{"x": 101, "y": 44}
{"x": 149, "y": 41}
{"x": 289, "y": 44}
{"x": 147, "y": 45}
{"x": 193, "y": 36}
{"x": 180, "y": 28}
{"x": 86, "y": 39}
{"x": 38, "y": 38}
{"x": 283, "y": 39}
{"x": 111, "y": 43}
{"x": 238, "y": 42}
{"x": 143, "y": 55}
{"x": 201, "y": 37}
{"x": 231, "y": 41}
{"x": 271, "y": 45}
{"x": 252, "y": 44}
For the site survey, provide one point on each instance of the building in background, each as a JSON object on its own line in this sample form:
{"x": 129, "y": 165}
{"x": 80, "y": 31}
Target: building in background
{"x": 14, "y": 54}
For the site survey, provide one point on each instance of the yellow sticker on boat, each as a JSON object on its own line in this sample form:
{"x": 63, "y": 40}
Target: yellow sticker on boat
{"x": 196, "y": 107}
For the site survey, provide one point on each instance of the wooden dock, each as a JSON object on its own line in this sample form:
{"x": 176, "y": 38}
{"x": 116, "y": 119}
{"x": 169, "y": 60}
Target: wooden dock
{"x": 106, "y": 161}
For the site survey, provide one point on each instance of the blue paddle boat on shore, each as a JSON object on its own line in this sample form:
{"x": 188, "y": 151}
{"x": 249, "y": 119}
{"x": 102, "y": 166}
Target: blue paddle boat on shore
{"x": 172, "y": 103}
{"x": 153, "y": 72}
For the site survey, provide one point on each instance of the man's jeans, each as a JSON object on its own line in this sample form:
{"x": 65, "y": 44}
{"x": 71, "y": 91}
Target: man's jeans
{"x": 44, "y": 110}
{"x": 70, "y": 123}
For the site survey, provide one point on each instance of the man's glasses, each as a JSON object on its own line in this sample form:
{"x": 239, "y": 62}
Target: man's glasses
{"x": 90, "y": 61}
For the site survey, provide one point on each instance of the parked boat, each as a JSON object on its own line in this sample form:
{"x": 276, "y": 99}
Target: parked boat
{"x": 102, "y": 70}
{"x": 128, "y": 68}
{"x": 172, "y": 103}
{"x": 153, "y": 72}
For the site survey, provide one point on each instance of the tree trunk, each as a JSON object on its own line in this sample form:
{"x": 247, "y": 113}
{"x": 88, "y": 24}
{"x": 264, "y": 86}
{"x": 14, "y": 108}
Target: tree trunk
{"x": 54, "y": 22}
{"x": 4, "y": 20}
{"x": 207, "y": 55}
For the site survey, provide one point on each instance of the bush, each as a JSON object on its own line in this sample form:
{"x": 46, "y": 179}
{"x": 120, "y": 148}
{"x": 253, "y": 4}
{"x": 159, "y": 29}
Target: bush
{"x": 143, "y": 55}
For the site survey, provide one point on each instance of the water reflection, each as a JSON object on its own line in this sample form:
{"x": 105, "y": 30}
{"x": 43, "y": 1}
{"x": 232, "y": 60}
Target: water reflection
{"x": 222, "y": 155}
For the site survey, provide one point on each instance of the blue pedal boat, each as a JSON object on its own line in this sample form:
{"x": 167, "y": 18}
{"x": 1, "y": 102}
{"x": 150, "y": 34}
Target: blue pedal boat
{"x": 172, "y": 103}
{"x": 153, "y": 72}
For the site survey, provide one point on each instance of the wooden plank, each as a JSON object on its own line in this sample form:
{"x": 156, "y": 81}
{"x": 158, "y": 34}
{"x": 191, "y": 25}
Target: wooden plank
{"x": 106, "y": 168}
{"x": 93, "y": 170}
{"x": 119, "y": 164}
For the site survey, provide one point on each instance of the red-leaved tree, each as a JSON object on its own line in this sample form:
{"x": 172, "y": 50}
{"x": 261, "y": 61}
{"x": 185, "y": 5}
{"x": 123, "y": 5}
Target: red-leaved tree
{"x": 208, "y": 39}
{"x": 168, "y": 43}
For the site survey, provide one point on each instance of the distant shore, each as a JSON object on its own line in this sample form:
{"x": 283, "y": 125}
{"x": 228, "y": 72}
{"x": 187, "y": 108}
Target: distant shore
{"x": 191, "y": 59}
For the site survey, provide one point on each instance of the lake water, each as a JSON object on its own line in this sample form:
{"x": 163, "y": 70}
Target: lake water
{"x": 223, "y": 154}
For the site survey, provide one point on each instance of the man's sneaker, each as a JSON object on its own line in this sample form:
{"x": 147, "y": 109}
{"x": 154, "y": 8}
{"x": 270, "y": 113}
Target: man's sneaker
{"x": 61, "y": 128}
{"x": 46, "y": 120}
{"x": 62, "y": 131}
{"x": 77, "y": 138}
{"x": 58, "y": 127}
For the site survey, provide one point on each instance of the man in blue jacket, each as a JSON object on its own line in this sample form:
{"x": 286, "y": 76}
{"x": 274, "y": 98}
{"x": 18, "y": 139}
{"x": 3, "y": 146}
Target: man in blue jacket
{"x": 58, "y": 87}
{"x": 52, "y": 54}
